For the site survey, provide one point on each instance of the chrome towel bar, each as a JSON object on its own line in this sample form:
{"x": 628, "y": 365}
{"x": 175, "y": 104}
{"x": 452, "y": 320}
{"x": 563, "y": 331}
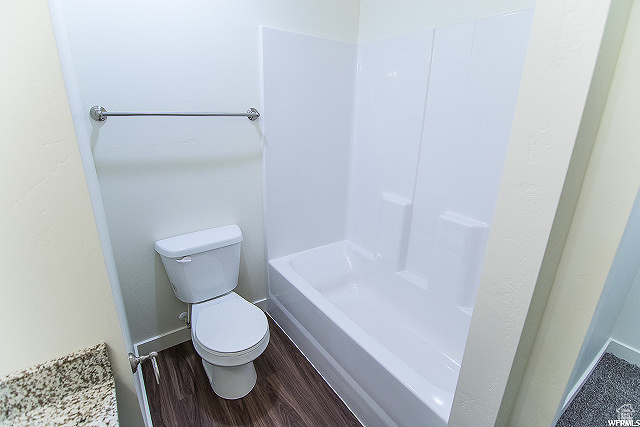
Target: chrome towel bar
{"x": 99, "y": 114}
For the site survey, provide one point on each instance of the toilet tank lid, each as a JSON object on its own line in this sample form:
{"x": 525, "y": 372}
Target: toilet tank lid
{"x": 199, "y": 241}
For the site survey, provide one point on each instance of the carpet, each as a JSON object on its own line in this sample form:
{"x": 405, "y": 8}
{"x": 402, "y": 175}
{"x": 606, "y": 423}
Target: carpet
{"x": 612, "y": 392}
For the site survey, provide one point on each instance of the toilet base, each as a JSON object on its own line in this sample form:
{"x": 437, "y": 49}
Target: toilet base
{"x": 231, "y": 382}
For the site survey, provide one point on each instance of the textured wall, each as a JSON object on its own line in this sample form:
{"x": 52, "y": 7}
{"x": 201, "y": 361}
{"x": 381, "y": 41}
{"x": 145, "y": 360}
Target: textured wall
{"x": 603, "y": 209}
{"x": 56, "y": 296}
{"x": 564, "y": 45}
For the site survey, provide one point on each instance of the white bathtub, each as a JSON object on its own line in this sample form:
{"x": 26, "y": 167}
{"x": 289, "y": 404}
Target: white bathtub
{"x": 390, "y": 348}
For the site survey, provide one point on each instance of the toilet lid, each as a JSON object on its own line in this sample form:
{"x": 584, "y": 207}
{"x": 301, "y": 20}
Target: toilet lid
{"x": 230, "y": 324}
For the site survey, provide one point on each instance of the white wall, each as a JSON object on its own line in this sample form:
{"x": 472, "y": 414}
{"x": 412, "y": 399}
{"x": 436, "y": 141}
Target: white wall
{"x": 333, "y": 19}
{"x": 56, "y": 297}
{"x": 615, "y": 315}
{"x": 165, "y": 176}
{"x": 627, "y": 327}
{"x": 381, "y": 19}
{"x": 624, "y": 110}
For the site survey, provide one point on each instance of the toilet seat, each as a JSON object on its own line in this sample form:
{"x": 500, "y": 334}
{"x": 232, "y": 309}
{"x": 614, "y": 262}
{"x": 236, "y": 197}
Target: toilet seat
{"x": 229, "y": 330}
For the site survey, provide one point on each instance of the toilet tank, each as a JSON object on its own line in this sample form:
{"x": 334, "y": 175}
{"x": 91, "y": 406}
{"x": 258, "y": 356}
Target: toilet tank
{"x": 203, "y": 264}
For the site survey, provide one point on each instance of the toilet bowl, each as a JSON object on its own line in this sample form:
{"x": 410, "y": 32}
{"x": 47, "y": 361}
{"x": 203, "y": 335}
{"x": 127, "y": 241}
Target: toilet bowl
{"x": 227, "y": 331}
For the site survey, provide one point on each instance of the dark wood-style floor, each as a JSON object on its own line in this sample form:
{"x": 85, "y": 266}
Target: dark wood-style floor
{"x": 288, "y": 392}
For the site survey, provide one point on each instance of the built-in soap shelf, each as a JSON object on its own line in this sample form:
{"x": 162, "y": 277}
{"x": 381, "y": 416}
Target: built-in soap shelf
{"x": 453, "y": 253}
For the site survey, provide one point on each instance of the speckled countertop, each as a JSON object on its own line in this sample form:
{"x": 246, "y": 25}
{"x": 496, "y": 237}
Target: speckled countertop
{"x": 75, "y": 390}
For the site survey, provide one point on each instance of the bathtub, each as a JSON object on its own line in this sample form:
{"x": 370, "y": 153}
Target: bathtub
{"x": 389, "y": 347}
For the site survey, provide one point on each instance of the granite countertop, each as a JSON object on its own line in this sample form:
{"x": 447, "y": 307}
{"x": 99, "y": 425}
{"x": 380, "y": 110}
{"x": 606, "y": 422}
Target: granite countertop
{"x": 74, "y": 390}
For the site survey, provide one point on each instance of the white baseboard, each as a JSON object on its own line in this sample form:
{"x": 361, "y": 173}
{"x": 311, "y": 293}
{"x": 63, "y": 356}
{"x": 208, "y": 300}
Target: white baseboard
{"x": 163, "y": 341}
{"x": 612, "y": 346}
{"x": 625, "y": 352}
{"x": 576, "y": 388}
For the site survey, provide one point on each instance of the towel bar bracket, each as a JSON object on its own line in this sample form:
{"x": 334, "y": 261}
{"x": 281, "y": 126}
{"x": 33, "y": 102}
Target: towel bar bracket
{"x": 97, "y": 113}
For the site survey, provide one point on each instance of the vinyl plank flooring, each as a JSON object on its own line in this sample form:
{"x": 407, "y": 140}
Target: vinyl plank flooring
{"x": 288, "y": 392}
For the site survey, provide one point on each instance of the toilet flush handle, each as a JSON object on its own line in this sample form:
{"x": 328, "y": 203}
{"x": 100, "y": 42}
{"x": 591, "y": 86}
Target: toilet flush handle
{"x": 184, "y": 259}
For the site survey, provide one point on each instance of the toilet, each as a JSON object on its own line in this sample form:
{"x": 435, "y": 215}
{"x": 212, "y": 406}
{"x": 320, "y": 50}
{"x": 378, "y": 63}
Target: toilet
{"x": 227, "y": 331}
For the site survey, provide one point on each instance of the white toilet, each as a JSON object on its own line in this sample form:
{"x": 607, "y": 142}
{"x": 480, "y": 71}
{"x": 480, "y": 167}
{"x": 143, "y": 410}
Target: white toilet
{"x": 227, "y": 331}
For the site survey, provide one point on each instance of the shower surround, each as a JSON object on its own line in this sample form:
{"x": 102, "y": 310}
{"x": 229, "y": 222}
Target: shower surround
{"x": 382, "y": 167}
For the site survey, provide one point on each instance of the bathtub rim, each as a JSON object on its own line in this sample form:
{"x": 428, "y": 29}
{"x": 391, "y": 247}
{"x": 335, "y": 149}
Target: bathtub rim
{"x": 438, "y": 400}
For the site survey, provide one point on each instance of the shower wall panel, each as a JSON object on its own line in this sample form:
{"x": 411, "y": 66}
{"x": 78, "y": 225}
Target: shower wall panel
{"x": 308, "y": 85}
{"x": 390, "y": 99}
{"x": 473, "y": 88}
{"x": 433, "y": 115}
{"x": 403, "y": 157}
